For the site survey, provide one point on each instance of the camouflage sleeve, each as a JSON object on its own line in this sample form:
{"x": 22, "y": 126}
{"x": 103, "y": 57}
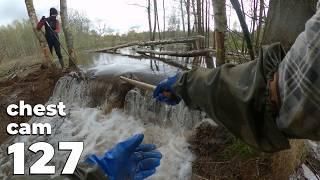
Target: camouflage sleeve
{"x": 299, "y": 85}
{"x": 235, "y": 96}
{"x": 85, "y": 171}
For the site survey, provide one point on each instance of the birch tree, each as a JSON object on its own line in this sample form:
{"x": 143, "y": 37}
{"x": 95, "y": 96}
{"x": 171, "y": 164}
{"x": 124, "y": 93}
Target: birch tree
{"x": 182, "y": 17}
{"x": 67, "y": 32}
{"x": 259, "y": 28}
{"x": 40, "y": 36}
{"x": 220, "y": 27}
{"x": 164, "y": 20}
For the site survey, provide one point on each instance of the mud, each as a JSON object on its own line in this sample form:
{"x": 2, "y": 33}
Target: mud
{"x": 35, "y": 87}
{"x": 221, "y": 156}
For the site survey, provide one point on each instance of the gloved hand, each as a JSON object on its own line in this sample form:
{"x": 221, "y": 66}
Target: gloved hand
{"x": 165, "y": 93}
{"x": 129, "y": 160}
{"x": 43, "y": 18}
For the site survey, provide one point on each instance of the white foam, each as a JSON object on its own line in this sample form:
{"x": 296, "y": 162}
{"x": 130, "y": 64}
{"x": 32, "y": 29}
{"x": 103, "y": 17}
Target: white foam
{"x": 100, "y": 132}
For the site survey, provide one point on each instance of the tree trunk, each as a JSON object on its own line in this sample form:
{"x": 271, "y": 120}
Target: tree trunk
{"x": 40, "y": 36}
{"x": 193, "y": 53}
{"x": 152, "y": 43}
{"x": 199, "y": 17}
{"x": 149, "y": 20}
{"x": 67, "y": 32}
{"x": 182, "y": 17}
{"x": 255, "y": 4}
{"x": 164, "y": 20}
{"x": 243, "y": 50}
{"x": 257, "y": 44}
{"x": 150, "y": 27}
{"x": 240, "y": 14}
{"x": 156, "y": 19}
{"x": 194, "y": 16}
{"x": 155, "y": 9}
{"x": 188, "y": 17}
{"x": 286, "y": 20}
{"x": 220, "y": 21}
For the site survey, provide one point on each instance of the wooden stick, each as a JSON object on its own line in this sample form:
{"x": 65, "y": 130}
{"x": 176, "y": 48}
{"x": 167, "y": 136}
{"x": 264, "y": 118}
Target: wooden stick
{"x": 139, "y": 84}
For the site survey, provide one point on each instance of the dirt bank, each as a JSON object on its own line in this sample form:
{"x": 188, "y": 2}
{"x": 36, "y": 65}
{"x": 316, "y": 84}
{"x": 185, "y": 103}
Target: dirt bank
{"x": 34, "y": 86}
{"x": 221, "y": 156}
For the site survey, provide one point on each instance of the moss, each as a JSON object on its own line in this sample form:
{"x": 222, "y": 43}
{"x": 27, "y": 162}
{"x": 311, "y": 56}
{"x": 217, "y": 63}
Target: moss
{"x": 237, "y": 149}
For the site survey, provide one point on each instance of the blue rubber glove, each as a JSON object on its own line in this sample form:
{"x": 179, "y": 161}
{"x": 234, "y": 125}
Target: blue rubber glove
{"x": 164, "y": 92}
{"x": 129, "y": 160}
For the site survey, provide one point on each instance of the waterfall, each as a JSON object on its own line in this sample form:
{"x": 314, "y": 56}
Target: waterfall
{"x": 163, "y": 125}
{"x": 143, "y": 106}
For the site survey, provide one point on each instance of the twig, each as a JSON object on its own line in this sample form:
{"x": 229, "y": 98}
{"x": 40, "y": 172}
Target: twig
{"x": 200, "y": 177}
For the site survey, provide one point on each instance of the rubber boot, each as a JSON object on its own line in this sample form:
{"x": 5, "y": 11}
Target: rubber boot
{"x": 61, "y": 62}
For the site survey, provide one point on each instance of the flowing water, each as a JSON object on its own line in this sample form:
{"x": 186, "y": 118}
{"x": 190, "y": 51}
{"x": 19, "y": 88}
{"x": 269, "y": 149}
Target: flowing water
{"x": 167, "y": 127}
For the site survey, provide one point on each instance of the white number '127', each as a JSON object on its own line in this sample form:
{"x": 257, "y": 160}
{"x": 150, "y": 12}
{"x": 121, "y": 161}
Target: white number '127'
{"x": 40, "y": 166}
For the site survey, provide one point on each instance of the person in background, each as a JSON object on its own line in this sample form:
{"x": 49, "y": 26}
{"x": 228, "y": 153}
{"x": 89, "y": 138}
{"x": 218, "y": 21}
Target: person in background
{"x": 264, "y": 102}
{"x": 52, "y": 30}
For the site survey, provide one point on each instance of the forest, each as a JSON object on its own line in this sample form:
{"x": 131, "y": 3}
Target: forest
{"x": 193, "y": 18}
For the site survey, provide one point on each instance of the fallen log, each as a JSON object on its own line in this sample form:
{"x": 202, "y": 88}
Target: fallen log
{"x": 167, "y": 61}
{"x": 170, "y": 62}
{"x": 151, "y": 43}
{"x": 194, "y": 53}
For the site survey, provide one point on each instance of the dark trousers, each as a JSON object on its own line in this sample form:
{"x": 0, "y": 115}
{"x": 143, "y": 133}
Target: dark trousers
{"x": 54, "y": 43}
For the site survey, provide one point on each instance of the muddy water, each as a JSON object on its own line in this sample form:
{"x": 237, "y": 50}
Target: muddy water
{"x": 163, "y": 125}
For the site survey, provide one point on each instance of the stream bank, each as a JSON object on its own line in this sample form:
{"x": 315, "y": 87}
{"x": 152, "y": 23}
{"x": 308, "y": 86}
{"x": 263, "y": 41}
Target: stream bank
{"x": 34, "y": 86}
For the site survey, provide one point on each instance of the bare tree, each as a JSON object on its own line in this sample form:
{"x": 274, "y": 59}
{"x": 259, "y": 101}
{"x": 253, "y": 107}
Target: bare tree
{"x": 220, "y": 22}
{"x": 67, "y": 32}
{"x": 236, "y": 5}
{"x": 182, "y": 17}
{"x": 199, "y": 17}
{"x": 156, "y": 19}
{"x": 254, "y": 19}
{"x": 164, "y": 19}
{"x": 39, "y": 35}
{"x": 188, "y": 16}
{"x": 194, "y": 15}
{"x": 259, "y": 28}
{"x": 149, "y": 20}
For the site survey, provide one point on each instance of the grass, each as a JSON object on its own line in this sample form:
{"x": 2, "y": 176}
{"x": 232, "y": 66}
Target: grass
{"x": 18, "y": 65}
{"x": 237, "y": 149}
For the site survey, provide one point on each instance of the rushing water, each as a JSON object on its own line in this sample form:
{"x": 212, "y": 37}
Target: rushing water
{"x": 165, "y": 126}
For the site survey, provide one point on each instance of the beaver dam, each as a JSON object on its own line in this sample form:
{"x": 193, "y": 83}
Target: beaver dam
{"x": 102, "y": 110}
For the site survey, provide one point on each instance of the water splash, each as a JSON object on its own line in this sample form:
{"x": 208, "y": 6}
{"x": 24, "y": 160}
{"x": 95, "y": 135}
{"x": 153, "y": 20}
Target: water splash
{"x": 163, "y": 125}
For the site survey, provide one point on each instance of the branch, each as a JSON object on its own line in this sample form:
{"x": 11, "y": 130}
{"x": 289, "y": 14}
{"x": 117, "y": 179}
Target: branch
{"x": 194, "y": 53}
{"x": 236, "y": 6}
{"x": 138, "y": 5}
{"x": 167, "y": 61}
{"x": 150, "y": 43}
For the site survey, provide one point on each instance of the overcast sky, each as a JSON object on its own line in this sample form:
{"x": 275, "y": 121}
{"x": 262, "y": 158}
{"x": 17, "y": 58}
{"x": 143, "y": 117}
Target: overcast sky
{"x": 120, "y": 15}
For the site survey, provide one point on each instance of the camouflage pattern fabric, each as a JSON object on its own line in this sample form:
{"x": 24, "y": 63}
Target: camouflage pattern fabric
{"x": 236, "y": 96}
